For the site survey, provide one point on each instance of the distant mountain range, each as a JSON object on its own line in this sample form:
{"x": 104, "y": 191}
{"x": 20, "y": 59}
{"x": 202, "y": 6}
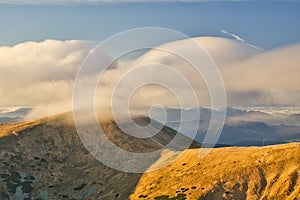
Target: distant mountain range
{"x": 242, "y": 128}
{"x": 10, "y": 119}
{"x": 13, "y": 113}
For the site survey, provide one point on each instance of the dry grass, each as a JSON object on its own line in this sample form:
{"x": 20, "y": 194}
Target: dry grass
{"x": 228, "y": 173}
{"x": 15, "y": 128}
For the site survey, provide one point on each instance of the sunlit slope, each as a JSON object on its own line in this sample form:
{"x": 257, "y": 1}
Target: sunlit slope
{"x": 15, "y": 128}
{"x": 227, "y": 173}
{"x": 45, "y": 159}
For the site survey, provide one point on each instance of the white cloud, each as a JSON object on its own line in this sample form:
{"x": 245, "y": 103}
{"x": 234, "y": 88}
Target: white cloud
{"x": 39, "y": 73}
{"x": 238, "y": 38}
{"x": 42, "y": 74}
{"x": 251, "y": 77}
{"x": 273, "y": 77}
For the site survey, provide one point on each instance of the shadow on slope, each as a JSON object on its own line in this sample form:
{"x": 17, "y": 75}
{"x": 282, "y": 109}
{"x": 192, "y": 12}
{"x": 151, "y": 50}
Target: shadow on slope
{"x": 45, "y": 159}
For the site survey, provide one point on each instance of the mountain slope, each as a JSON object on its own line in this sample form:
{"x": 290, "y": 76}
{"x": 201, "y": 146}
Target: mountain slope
{"x": 227, "y": 173}
{"x": 45, "y": 159}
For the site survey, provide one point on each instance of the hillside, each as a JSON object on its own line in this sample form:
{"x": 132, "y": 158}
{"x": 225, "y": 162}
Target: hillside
{"x": 45, "y": 159}
{"x": 227, "y": 173}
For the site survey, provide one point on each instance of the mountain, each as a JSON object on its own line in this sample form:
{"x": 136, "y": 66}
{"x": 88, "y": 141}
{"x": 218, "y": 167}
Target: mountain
{"x": 10, "y": 119}
{"x": 13, "y": 113}
{"x": 293, "y": 119}
{"x": 227, "y": 173}
{"x": 241, "y": 128}
{"x": 45, "y": 159}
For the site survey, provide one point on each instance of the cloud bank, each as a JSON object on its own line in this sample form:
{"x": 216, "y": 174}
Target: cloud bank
{"x": 41, "y": 74}
{"x": 252, "y": 77}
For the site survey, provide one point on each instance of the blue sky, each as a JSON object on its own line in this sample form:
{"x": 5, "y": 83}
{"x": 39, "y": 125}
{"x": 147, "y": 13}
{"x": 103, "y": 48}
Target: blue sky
{"x": 265, "y": 24}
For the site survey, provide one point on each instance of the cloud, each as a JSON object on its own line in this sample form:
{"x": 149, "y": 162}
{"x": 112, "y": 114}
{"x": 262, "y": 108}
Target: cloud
{"x": 41, "y": 74}
{"x": 239, "y": 39}
{"x": 273, "y": 75}
{"x": 252, "y": 77}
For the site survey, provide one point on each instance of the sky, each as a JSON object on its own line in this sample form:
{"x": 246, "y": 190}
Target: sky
{"x": 266, "y": 24}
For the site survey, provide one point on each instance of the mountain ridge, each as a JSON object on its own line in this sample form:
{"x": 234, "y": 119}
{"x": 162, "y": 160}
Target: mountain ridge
{"x": 45, "y": 159}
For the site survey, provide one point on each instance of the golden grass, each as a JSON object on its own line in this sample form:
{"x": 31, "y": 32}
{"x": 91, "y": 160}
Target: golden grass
{"x": 15, "y": 128}
{"x": 251, "y": 173}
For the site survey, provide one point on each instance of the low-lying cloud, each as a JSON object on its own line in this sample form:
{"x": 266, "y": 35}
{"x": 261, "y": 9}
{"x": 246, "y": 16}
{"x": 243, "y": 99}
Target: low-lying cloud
{"x": 41, "y": 74}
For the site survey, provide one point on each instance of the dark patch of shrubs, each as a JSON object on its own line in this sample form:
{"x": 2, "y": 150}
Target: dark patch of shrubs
{"x": 142, "y": 196}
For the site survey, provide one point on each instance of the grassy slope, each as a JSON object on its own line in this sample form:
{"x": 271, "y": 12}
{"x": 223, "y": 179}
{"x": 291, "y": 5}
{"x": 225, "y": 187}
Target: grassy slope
{"x": 14, "y": 128}
{"x": 55, "y": 164}
{"x": 228, "y": 173}
{"x": 225, "y": 173}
